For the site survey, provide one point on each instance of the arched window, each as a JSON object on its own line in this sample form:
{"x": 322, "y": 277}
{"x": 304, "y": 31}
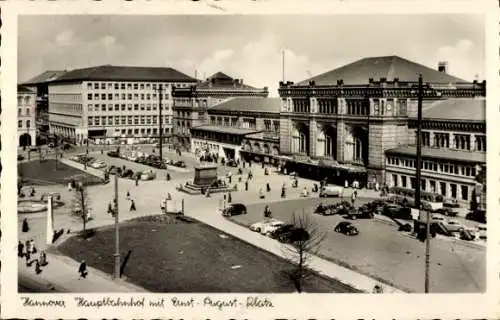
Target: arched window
{"x": 358, "y": 150}
{"x": 302, "y": 142}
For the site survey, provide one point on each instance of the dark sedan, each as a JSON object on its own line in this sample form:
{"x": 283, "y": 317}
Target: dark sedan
{"x": 346, "y": 228}
{"x": 234, "y": 210}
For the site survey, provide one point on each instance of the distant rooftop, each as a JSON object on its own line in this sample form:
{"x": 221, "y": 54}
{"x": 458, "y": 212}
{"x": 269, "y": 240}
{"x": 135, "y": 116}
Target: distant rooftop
{"x": 436, "y": 153}
{"x": 388, "y": 67}
{"x": 125, "y": 73}
{"x": 456, "y": 109}
{"x": 221, "y": 80}
{"x": 23, "y": 89}
{"x": 47, "y": 76}
{"x": 249, "y": 104}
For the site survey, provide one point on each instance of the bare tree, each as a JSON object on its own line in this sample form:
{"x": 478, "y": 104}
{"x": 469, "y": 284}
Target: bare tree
{"x": 81, "y": 205}
{"x": 299, "y": 247}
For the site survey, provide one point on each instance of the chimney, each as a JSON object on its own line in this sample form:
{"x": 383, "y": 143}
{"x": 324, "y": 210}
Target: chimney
{"x": 443, "y": 66}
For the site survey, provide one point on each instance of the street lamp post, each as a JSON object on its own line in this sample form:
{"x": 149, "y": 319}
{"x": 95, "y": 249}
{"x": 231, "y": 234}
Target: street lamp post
{"x": 160, "y": 120}
{"x": 117, "y": 232}
{"x": 418, "y": 182}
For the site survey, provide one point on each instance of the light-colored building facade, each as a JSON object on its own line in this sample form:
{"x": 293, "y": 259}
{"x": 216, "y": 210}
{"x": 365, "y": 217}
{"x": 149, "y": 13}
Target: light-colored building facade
{"x": 26, "y": 110}
{"x": 239, "y": 124}
{"x": 112, "y": 102}
{"x": 453, "y": 149}
{"x": 191, "y": 104}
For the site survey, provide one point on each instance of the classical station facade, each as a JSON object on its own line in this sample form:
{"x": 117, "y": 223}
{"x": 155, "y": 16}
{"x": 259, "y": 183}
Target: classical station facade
{"x": 346, "y": 119}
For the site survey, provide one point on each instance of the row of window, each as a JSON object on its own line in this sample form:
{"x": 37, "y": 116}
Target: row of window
{"x": 20, "y": 112}
{"x": 126, "y": 96}
{"x": 445, "y": 189}
{"x": 20, "y": 124}
{"x": 460, "y": 141}
{"x": 327, "y": 106}
{"x": 217, "y": 136}
{"x": 143, "y": 131}
{"x": 125, "y": 120}
{"x": 434, "y": 166}
{"x": 187, "y": 114}
{"x": 66, "y": 108}
{"x": 132, "y": 85}
{"x": 358, "y": 107}
{"x": 26, "y": 100}
{"x": 126, "y": 107}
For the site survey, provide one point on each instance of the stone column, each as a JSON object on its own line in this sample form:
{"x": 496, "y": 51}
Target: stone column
{"x": 448, "y": 190}
{"x": 340, "y": 140}
{"x": 312, "y": 137}
{"x": 399, "y": 180}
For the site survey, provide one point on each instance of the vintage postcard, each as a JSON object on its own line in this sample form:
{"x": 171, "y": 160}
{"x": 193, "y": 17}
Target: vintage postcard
{"x": 250, "y": 160}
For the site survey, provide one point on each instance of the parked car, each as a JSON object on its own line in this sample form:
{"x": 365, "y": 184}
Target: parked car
{"x": 468, "y": 235}
{"x": 98, "y": 164}
{"x": 148, "y": 175}
{"x": 346, "y": 228}
{"x": 325, "y": 210}
{"x": 180, "y": 164}
{"x": 331, "y": 191}
{"x": 20, "y": 157}
{"x": 395, "y": 211}
{"x": 113, "y": 154}
{"x": 271, "y": 227}
{"x": 454, "y": 226}
{"x": 448, "y": 211}
{"x": 364, "y": 213}
{"x": 234, "y": 209}
{"x": 294, "y": 234}
{"x": 438, "y": 218}
{"x": 258, "y": 226}
{"x": 451, "y": 203}
{"x": 281, "y": 229}
{"x": 478, "y": 216}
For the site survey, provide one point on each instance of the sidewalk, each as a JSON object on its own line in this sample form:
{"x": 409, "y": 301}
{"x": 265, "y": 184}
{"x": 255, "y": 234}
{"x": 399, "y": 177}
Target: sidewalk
{"x": 61, "y": 274}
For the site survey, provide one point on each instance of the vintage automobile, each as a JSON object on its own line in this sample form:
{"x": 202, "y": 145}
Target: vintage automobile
{"x": 331, "y": 191}
{"x": 234, "y": 209}
{"x": 364, "y": 213}
{"x": 259, "y": 226}
{"x": 346, "y": 228}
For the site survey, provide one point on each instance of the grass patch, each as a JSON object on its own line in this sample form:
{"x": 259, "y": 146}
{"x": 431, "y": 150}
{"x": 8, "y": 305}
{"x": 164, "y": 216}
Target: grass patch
{"x": 45, "y": 173}
{"x": 190, "y": 257}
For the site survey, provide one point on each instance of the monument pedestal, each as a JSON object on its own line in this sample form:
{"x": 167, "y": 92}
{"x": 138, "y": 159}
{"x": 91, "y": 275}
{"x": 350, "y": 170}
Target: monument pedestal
{"x": 205, "y": 176}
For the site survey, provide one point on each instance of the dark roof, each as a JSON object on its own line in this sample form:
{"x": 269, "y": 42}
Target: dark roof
{"x": 23, "y": 89}
{"x": 220, "y": 76}
{"x": 221, "y": 129}
{"x": 389, "y": 67}
{"x": 445, "y": 154}
{"x": 121, "y": 73}
{"x": 249, "y": 104}
{"x": 46, "y": 76}
{"x": 456, "y": 109}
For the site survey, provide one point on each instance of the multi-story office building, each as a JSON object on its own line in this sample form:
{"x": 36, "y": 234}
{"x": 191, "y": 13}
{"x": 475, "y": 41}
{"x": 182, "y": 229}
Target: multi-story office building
{"x": 26, "y": 109}
{"x": 239, "y": 124}
{"x": 191, "y": 104}
{"x": 113, "y": 101}
{"x": 40, "y": 85}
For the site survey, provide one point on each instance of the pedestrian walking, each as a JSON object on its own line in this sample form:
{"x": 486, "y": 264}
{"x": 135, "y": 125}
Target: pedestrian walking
{"x": 263, "y": 165}
{"x": 33, "y": 192}
{"x": 168, "y": 176}
{"x": 267, "y": 212}
{"x": 353, "y": 197}
{"x": 132, "y": 205}
{"x": 136, "y": 181}
{"x": 25, "y": 227}
{"x": 346, "y": 184}
{"x": 128, "y": 195}
{"x": 229, "y": 198}
{"x": 82, "y": 270}
{"x": 43, "y": 258}
{"x": 28, "y": 257}
{"x": 283, "y": 191}
{"x": 27, "y": 245}
{"x": 268, "y": 187}
{"x": 33, "y": 247}
{"x": 20, "y": 249}
{"x": 229, "y": 176}
{"x": 246, "y": 185}
{"x": 266, "y": 172}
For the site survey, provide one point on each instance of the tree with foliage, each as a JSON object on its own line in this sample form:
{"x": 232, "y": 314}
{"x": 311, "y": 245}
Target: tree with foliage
{"x": 81, "y": 205}
{"x": 300, "y": 249}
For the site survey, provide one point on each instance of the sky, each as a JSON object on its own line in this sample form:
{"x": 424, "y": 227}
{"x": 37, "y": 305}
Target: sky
{"x": 249, "y": 47}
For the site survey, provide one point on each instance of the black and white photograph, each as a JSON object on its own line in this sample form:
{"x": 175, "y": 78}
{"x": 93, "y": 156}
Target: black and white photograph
{"x": 250, "y": 154}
